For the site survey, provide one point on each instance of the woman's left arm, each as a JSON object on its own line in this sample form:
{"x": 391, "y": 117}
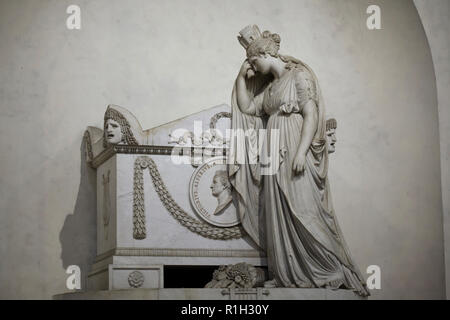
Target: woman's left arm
{"x": 309, "y": 128}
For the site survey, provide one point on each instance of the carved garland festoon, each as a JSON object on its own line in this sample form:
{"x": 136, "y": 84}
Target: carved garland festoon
{"x": 139, "y": 230}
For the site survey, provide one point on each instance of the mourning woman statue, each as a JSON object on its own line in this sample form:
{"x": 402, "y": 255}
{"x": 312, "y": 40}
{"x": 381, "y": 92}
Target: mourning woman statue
{"x": 289, "y": 213}
{"x": 121, "y": 127}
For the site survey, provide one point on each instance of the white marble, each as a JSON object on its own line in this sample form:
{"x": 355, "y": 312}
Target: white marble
{"x": 163, "y": 231}
{"x": 194, "y": 129}
{"x": 106, "y": 233}
{"x": 152, "y": 276}
{"x": 190, "y": 260}
{"x": 166, "y": 241}
{"x": 212, "y": 294}
{"x": 377, "y": 84}
{"x": 160, "y": 135}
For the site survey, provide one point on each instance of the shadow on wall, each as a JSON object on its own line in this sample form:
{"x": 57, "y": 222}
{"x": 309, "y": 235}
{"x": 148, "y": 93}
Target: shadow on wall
{"x": 78, "y": 236}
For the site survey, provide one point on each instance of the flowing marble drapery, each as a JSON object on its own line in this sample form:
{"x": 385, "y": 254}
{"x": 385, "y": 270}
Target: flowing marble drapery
{"x": 290, "y": 216}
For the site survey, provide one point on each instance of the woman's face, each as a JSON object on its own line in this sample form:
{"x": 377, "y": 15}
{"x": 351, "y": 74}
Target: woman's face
{"x": 113, "y": 134}
{"x": 260, "y": 63}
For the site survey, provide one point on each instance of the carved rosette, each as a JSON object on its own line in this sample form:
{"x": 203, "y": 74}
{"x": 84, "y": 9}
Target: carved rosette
{"x": 136, "y": 279}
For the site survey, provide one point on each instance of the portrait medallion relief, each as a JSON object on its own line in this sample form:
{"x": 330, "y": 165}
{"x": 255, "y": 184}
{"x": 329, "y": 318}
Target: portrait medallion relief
{"x": 210, "y": 193}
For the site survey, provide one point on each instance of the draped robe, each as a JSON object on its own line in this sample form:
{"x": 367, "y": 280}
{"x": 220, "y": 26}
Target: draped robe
{"x": 288, "y": 215}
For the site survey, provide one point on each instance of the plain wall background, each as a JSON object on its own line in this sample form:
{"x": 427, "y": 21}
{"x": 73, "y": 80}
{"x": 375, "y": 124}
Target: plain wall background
{"x": 435, "y": 19}
{"x": 166, "y": 59}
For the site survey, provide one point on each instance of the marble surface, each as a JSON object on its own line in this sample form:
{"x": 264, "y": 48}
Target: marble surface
{"x": 165, "y": 240}
{"x": 376, "y": 83}
{"x": 107, "y": 233}
{"x": 212, "y": 294}
{"x": 160, "y": 134}
{"x": 163, "y": 231}
{"x": 146, "y": 276}
{"x": 197, "y": 123}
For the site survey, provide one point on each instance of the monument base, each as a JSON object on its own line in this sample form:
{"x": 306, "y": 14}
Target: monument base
{"x": 212, "y": 294}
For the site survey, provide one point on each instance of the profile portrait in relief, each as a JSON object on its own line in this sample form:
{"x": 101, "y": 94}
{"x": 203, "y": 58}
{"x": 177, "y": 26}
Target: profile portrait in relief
{"x": 221, "y": 189}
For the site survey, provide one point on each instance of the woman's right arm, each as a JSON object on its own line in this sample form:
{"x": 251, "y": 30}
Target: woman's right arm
{"x": 244, "y": 101}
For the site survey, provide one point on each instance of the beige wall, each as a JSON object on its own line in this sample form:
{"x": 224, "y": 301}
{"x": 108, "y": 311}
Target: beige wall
{"x": 166, "y": 59}
{"x": 435, "y": 19}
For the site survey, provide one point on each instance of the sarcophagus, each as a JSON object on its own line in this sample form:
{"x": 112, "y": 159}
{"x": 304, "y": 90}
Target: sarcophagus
{"x": 164, "y": 202}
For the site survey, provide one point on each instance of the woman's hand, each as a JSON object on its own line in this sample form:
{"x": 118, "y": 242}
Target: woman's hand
{"x": 246, "y": 70}
{"x": 299, "y": 163}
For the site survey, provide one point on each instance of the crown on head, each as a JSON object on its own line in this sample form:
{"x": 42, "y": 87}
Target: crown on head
{"x": 249, "y": 34}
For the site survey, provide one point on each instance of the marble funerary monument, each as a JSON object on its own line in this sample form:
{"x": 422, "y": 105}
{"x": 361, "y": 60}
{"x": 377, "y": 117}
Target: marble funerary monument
{"x": 195, "y": 193}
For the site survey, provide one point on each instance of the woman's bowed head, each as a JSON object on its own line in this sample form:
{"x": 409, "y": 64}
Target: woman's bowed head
{"x": 262, "y": 52}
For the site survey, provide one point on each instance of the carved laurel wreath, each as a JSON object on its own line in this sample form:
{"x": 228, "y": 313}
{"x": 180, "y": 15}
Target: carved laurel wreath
{"x": 216, "y": 117}
{"x": 197, "y": 226}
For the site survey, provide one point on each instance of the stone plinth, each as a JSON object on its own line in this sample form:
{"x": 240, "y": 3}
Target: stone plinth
{"x": 212, "y": 294}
